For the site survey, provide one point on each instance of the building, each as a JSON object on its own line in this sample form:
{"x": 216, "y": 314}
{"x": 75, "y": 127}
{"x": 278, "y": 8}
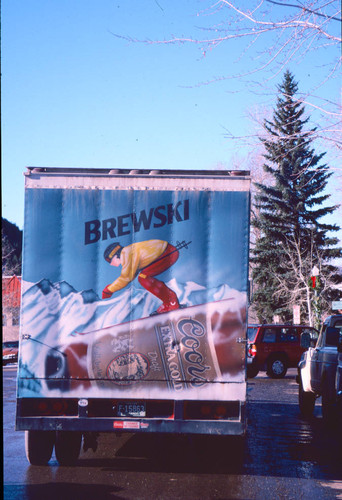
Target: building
{"x": 11, "y": 296}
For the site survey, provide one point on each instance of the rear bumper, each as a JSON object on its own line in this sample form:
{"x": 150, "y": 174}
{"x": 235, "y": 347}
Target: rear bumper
{"x": 219, "y": 427}
{"x": 254, "y": 362}
{"x": 234, "y": 425}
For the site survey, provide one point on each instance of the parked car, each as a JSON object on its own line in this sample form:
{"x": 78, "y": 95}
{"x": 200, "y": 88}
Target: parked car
{"x": 339, "y": 379}
{"x": 10, "y": 352}
{"x": 317, "y": 370}
{"x": 275, "y": 348}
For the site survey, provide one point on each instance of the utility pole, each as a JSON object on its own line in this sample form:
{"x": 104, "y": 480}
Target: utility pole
{"x": 315, "y": 284}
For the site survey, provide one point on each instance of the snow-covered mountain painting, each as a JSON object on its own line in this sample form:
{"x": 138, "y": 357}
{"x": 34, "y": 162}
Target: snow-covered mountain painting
{"x": 56, "y": 311}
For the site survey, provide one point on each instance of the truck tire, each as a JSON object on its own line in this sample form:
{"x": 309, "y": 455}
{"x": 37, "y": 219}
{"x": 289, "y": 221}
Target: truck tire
{"x": 306, "y": 401}
{"x": 39, "y": 446}
{"x": 67, "y": 447}
{"x": 329, "y": 407}
{"x": 277, "y": 367}
{"x": 252, "y": 371}
{"x": 339, "y": 413}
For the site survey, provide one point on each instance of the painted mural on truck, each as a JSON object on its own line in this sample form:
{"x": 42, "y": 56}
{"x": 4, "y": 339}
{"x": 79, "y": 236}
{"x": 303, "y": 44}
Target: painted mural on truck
{"x": 131, "y": 290}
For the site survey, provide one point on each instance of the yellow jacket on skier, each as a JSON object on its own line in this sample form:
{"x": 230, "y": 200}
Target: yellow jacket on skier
{"x": 135, "y": 257}
{"x": 144, "y": 260}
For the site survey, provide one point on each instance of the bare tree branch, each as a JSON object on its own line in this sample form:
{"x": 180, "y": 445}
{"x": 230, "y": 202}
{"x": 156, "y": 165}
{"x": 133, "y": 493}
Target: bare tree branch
{"x": 291, "y": 32}
{"x": 306, "y": 9}
{"x": 296, "y": 288}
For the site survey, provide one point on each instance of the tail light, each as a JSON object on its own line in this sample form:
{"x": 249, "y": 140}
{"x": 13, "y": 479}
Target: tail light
{"x": 48, "y": 407}
{"x": 211, "y": 410}
{"x": 252, "y": 350}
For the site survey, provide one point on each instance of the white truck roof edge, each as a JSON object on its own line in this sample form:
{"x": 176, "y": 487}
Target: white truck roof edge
{"x": 81, "y": 178}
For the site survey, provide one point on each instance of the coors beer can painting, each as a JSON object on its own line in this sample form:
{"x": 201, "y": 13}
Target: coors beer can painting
{"x": 131, "y": 292}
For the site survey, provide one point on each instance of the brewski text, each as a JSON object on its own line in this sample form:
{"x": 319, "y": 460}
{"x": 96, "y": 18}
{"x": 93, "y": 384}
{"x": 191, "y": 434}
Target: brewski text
{"x": 123, "y": 225}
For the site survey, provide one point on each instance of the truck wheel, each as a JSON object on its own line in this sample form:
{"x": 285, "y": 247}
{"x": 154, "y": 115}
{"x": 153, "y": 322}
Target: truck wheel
{"x": 339, "y": 412}
{"x": 39, "y": 446}
{"x": 252, "y": 371}
{"x": 276, "y": 367}
{"x": 306, "y": 401}
{"x": 329, "y": 407}
{"x": 68, "y": 446}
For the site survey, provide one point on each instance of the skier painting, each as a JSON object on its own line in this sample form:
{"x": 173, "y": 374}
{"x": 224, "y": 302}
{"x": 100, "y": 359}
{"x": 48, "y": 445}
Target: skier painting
{"x": 144, "y": 260}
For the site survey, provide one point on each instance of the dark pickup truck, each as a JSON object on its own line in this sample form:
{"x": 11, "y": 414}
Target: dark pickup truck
{"x": 317, "y": 369}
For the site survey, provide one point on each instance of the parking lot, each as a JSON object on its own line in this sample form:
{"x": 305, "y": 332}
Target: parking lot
{"x": 283, "y": 456}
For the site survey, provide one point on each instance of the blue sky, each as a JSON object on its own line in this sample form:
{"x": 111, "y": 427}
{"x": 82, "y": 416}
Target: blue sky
{"x": 74, "y": 94}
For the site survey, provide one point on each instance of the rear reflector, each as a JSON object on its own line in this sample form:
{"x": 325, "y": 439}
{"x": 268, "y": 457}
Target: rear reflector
{"x": 211, "y": 410}
{"x": 48, "y": 407}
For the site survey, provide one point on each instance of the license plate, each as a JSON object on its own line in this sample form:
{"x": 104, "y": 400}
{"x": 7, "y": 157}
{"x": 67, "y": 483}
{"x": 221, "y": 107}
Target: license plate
{"x": 132, "y": 409}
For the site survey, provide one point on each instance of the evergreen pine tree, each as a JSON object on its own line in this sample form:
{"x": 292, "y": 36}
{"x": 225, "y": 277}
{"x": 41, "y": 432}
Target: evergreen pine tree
{"x": 11, "y": 242}
{"x": 291, "y": 236}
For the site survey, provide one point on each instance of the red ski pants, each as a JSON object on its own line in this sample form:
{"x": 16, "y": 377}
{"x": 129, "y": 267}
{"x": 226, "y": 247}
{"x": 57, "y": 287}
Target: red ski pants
{"x": 157, "y": 287}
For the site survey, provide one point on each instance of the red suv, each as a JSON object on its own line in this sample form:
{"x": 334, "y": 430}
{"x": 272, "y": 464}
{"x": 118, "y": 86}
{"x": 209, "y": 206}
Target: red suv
{"x": 10, "y": 352}
{"x": 275, "y": 348}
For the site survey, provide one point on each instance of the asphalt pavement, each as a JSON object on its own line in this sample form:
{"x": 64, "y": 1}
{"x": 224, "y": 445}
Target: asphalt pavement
{"x": 282, "y": 457}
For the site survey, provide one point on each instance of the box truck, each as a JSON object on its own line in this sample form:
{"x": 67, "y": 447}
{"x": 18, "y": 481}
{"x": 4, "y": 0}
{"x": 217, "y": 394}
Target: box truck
{"x": 134, "y": 306}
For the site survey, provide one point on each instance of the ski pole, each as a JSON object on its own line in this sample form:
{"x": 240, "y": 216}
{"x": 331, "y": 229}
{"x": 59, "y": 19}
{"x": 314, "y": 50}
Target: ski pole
{"x": 179, "y": 246}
